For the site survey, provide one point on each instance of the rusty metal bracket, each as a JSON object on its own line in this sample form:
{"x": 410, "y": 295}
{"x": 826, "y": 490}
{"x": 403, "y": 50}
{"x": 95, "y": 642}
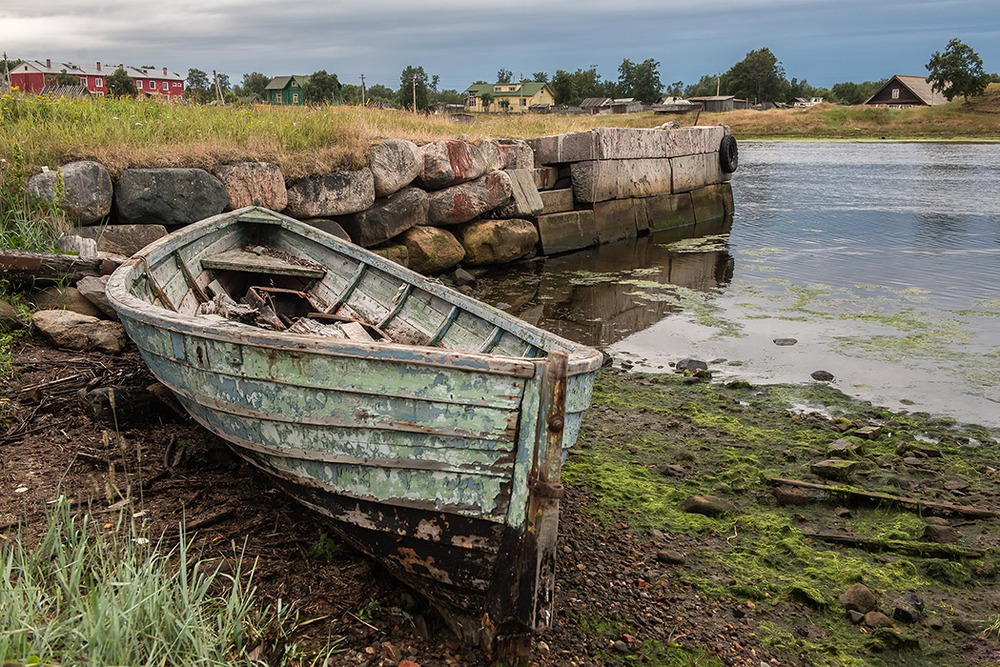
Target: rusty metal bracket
{"x": 547, "y": 489}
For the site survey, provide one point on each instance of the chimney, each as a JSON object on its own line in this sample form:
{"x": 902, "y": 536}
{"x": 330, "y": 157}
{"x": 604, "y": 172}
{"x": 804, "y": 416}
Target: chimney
{"x": 164, "y": 71}
{"x": 48, "y": 63}
{"x": 98, "y": 66}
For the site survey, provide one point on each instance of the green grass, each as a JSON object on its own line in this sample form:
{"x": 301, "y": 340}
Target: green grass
{"x": 87, "y": 593}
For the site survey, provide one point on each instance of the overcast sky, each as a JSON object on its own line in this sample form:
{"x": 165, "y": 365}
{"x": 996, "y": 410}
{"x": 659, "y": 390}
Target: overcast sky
{"x": 821, "y": 41}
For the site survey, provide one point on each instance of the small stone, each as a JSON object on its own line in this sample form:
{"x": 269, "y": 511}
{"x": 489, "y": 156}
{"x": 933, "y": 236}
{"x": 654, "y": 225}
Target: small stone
{"x": 790, "y": 496}
{"x": 463, "y": 277}
{"x": 842, "y": 513}
{"x": 822, "y": 376}
{"x": 935, "y": 623}
{"x": 707, "y": 505}
{"x": 956, "y": 485}
{"x": 913, "y": 461}
{"x": 876, "y": 619}
{"x": 937, "y": 520}
{"x": 670, "y": 557}
{"x": 690, "y": 365}
{"x": 785, "y": 342}
{"x": 905, "y": 614}
{"x": 858, "y": 598}
{"x": 621, "y": 646}
{"x": 941, "y": 534}
{"x": 842, "y": 448}
{"x": 856, "y": 617}
{"x": 835, "y": 469}
{"x": 868, "y": 432}
{"x": 671, "y": 470}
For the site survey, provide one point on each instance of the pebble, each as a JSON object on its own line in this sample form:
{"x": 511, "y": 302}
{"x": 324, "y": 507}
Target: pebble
{"x": 785, "y": 342}
{"x": 822, "y": 376}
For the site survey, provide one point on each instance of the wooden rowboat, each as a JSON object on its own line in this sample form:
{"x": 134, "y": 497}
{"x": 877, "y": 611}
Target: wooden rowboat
{"x": 429, "y": 427}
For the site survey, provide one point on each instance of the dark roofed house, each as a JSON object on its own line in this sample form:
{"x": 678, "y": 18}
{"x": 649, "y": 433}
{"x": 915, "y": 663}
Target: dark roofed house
{"x": 286, "y": 90}
{"x": 902, "y": 92}
{"x": 596, "y": 105}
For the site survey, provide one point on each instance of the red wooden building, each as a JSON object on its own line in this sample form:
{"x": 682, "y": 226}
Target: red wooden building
{"x": 32, "y": 75}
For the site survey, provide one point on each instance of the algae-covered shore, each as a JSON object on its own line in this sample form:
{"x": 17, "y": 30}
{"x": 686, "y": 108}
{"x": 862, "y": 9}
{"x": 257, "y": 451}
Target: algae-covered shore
{"x": 751, "y": 578}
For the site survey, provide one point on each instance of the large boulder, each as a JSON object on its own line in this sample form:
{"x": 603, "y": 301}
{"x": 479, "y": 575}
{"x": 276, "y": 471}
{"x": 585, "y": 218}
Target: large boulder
{"x": 339, "y": 193}
{"x": 59, "y": 297}
{"x": 466, "y": 201}
{"x": 431, "y": 250}
{"x": 168, "y": 196}
{"x": 123, "y": 240}
{"x": 85, "y": 193}
{"x": 64, "y": 328}
{"x": 451, "y": 162}
{"x": 388, "y": 217}
{"x": 95, "y": 290}
{"x": 253, "y": 184}
{"x": 497, "y": 241}
{"x": 394, "y": 164}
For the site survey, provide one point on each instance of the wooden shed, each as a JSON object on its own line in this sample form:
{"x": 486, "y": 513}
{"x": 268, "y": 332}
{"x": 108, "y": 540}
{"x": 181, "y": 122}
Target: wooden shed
{"x": 902, "y": 91}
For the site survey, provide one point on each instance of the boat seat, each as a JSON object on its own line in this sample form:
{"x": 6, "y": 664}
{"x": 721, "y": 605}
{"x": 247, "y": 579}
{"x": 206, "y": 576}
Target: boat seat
{"x": 252, "y": 262}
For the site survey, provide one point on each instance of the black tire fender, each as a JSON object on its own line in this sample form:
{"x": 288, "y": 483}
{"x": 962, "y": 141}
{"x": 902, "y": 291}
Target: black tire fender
{"x": 729, "y": 154}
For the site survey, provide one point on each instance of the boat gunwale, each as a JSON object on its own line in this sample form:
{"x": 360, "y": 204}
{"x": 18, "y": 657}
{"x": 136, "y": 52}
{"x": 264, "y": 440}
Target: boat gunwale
{"x": 583, "y": 359}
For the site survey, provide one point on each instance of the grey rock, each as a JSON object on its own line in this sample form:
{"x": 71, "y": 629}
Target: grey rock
{"x": 339, "y": 193}
{"x": 670, "y": 557}
{"x": 707, "y": 505}
{"x": 123, "y": 240}
{"x": 388, "y": 217}
{"x": 876, "y": 619}
{"x": 395, "y": 163}
{"x": 86, "y": 248}
{"x": 66, "y": 329}
{"x": 526, "y": 200}
{"x": 790, "y": 496}
{"x": 329, "y": 226}
{"x": 254, "y": 184}
{"x": 843, "y": 448}
{"x": 9, "y": 319}
{"x": 856, "y": 617}
{"x": 905, "y": 614}
{"x": 94, "y": 290}
{"x": 822, "y": 376}
{"x": 690, "y": 365}
{"x": 941, "y": 534}
{"x": 86, "y": 194}
{"x": 431, "y": 250}
{"x": 785, "y": 342}
{"x": 859, "y": 598}
{"x": 168, "y": 196}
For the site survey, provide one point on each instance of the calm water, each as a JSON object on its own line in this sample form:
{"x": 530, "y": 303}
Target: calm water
{"x": 881, "y": 260}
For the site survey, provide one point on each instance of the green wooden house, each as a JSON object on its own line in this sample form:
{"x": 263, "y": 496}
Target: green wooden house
{"x": 286, "y": 89}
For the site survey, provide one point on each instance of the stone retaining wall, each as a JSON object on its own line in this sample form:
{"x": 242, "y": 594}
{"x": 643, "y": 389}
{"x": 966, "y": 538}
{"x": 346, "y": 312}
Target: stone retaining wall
{"x": 432, "y": 207}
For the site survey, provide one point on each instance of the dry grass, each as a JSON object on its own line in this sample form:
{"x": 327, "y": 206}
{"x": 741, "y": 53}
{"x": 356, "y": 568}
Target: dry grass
{"x": 41, "y": 131}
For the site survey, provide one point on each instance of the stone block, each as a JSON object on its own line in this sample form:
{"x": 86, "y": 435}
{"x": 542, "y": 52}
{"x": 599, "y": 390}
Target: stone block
{"x": 526, "y": 199}
{"x": 339, "y": 193}
{"x": 451, "y": 162}
{"x": 253, "y": 184}
{"x": 691, "y": 172}
{"x": 85, "y": 194}
{"x": 546, "y": 177}
{"x": 614, "y": 143}
{"x": 387, "y": 217}
{"x": 497, "y": 241}
{"x": 557, "y": 201}
{"x": 615, "y": 220}
{"x": 466, "y": 201}
{"x": 712, "y": 202}
{"x": 431, "y": 250}
{"x": 562, "y": 232}
{"x": 665, "y": 212}
{"x": 601, "y": 180}
{"x": 394, "y": 164}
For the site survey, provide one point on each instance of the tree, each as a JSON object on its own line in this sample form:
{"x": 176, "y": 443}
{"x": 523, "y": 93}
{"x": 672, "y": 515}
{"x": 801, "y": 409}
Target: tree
{"x": 706, "y": 86}
{"x": 504, "y": 76}
{"x": 641, "y": 81}
{"x": 676, "y": 89}
{"x": 381, "y": 94}
{"x": 957, "y": 71}
{"x": 413, "y": 83}
{"x": 487, "y": 99}
{"x": 196, "y": 86}
{"x": 573, "y": 88}
{"x": 321, "y": 88}
{"x": 541, "y": 77}
{"x": 64, "y": 78}
{"x": 254, "y": 85}
{"x": 849, "y": 92}
{"x": 120, "y": 84}
{"x": 758, "y": 76}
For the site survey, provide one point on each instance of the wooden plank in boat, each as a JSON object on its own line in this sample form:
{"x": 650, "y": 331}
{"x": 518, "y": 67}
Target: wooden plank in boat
{"x": 241, "y": 260}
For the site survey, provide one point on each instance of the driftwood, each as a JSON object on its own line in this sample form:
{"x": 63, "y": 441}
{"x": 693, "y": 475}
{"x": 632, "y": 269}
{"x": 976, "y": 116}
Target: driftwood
{"x": 930, "y": 549}
{"x": 929, "y": 505}
{"x": 23, "y": 268}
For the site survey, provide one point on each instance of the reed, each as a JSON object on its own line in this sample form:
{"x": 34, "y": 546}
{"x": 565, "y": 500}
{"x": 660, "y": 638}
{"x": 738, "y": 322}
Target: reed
{"x": 87, "y": 594}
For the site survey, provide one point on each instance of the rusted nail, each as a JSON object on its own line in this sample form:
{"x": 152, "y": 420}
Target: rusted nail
{"x": 556, "y": 423}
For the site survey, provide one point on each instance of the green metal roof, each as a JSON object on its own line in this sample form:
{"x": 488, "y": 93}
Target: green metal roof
{"x": 527, "y": 89}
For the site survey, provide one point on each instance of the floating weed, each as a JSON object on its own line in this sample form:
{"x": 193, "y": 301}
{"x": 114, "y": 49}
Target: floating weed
{"x": 708, "y": 243}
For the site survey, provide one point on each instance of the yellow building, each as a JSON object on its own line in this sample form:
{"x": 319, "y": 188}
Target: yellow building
{"x": 509, "y": 97}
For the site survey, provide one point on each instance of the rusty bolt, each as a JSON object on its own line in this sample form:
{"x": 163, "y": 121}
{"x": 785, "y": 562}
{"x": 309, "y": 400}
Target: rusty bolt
{"x": 556, "y": 423}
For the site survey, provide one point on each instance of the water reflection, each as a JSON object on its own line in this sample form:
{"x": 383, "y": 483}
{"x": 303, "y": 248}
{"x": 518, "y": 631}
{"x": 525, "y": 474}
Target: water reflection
{"x": 602, "y": 295}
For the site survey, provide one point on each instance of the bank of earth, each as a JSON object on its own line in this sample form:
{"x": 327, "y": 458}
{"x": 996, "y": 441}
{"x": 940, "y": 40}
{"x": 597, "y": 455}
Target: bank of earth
{"x": 676, "y": 547}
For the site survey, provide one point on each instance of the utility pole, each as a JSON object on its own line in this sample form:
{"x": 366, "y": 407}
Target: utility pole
{"x": 718, "y": 84}
{"x": 362, "y": 89}
{"x": 6, "y": 74}
{"x": 218, "y": 88}
{"x": 414, "y": 82}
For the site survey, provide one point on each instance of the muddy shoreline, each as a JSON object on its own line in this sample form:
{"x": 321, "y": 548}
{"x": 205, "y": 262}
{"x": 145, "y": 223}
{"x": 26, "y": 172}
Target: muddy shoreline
{"x": 640, "y": 580}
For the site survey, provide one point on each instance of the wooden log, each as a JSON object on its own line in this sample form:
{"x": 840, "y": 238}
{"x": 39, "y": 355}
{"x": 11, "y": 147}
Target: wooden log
{"x": 928, "y": 549}
{"x": 929, "y": 505}
{"x": 22, "y": 267}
